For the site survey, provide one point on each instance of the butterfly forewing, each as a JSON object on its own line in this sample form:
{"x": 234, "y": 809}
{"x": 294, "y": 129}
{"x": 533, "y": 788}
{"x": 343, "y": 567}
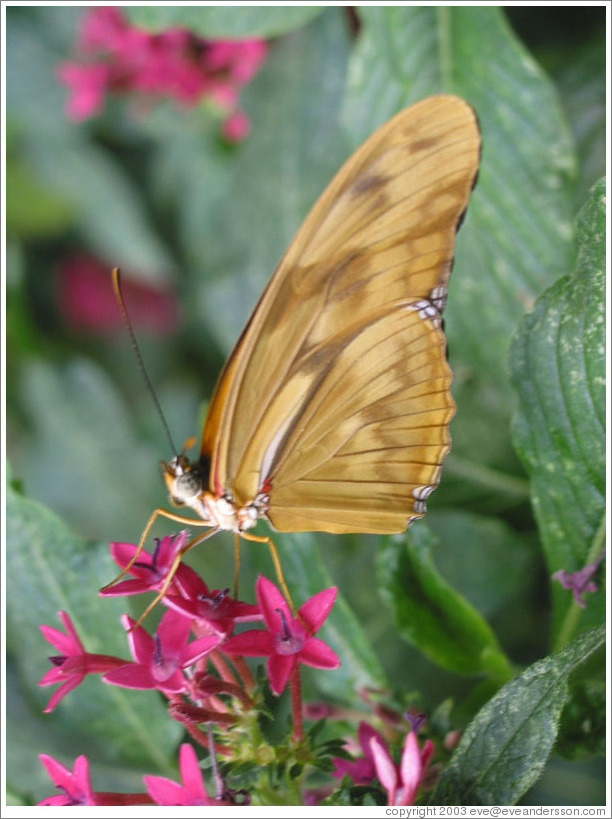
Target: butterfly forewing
{"x": 336, "y": 400}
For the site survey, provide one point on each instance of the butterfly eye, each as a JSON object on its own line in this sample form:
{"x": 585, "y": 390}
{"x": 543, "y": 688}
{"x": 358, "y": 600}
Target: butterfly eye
{"x": 188, "y": 485}
{"x": 183, "y": 480}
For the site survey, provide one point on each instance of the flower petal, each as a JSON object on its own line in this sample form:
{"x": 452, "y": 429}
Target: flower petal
{"x": 270, "y": 598}
{"x": 253, "y": 643}
{"x": 173, "y": 632}
{"x": 198, "y": 648}
{"x": 61, "y": 692}
{"x": 164, "y": 791}
{"x": 411, "y": 769}
{"x": 279, "y": 669}
{"x": 318, "y": 654}
{"x": 315, "y": 610}
{"x": 385, "y": 768}
{"x": 131, "y": 675}
{"x": 62, "y": 642}
{"x": 142, "y": 645}
{"x": 365, "y": 733}
{"x": 191, "y": 773}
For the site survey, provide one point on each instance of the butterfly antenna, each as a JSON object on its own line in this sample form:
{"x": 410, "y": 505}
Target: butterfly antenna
{"x": 136, "y": 348}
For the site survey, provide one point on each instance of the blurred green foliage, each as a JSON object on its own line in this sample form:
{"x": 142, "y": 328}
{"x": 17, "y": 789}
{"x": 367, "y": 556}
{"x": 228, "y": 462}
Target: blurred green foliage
{"x": 160, "y": 194}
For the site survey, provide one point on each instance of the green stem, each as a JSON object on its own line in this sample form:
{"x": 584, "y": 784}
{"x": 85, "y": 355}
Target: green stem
{"x": 491, "y": 478}
{"x": 570, "y": 621}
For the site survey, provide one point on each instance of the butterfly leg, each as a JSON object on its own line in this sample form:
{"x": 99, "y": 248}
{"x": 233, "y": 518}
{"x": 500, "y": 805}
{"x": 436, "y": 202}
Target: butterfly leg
{"x": 173, "y": 569}
{"x": 277, "y": 564}
{"x": 236, "y": 563}
{"x": 157, "y": 513}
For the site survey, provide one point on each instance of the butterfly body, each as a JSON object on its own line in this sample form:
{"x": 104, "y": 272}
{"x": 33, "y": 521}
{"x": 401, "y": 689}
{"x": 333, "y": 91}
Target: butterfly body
{"x": 185, "y": 482}
{"x": 332, "y": 411}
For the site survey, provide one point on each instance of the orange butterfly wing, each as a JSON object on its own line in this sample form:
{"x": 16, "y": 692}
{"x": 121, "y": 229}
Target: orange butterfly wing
{"x": 336, "y": 399}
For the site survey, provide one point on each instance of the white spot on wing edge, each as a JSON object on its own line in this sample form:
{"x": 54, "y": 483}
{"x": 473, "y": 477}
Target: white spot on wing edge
{"x": 420, "y": 495}
{"x": 427, "y": 310}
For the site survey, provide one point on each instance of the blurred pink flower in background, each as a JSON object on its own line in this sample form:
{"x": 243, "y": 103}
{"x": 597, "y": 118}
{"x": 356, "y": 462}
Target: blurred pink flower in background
{"x": 87, "y": 302}
{"x": 113, "y": 56}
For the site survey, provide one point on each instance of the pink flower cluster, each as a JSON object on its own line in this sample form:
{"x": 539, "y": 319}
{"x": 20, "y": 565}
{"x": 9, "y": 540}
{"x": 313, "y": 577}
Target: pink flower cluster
{"x": 116, "y": 57}
{"x": 197, "y": 662}
{"x": 180, "y": 667}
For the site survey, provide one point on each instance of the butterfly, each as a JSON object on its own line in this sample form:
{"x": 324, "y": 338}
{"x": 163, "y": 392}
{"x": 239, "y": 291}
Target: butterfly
{"x": 332, "y": 412}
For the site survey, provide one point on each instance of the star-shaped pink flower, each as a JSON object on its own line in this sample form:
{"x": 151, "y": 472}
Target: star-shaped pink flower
{"x": 150, "y": 570}
{"x": 73, "y": 663}
{"x": 75, "y": 785}
{"x": 165, "y": 791}
{"x": 159, "y": 661}
{"x": 289, "y": 640}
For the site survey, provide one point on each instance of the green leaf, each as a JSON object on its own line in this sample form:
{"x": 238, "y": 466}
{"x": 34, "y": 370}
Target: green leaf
{"x": 581, "y": 78}
{"x": 558, "y": 366}
{"x": 504, "y": 750}
{"x": 489, "y": 563}
{"x": 294, "y": 149}
{"x": 33, "y": 210}
{"x": 224, "y": 21}
{"x": 583, "y": 726}
{"x": 82, "y": 457}
{"x": 430, "y": 614}
{"x": 48, "y": 570}
{"x": 517, "y": 235}
{"x": 113, "y": 218}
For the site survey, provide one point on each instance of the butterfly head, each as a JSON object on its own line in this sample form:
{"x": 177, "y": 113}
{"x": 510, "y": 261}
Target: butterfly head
{"x": 183, "y": 480}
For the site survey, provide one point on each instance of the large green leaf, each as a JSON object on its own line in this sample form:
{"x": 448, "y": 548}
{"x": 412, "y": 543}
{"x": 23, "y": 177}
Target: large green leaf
{"x": 224, "y": 21}
{"x": 504, "y": 750}
{"x": 430, "y": 614}
{"x": 582, "y": 82}
{"x": 48, "y": 570}
{"x": 517, "y": 236}
{"x": 558, "y": 365}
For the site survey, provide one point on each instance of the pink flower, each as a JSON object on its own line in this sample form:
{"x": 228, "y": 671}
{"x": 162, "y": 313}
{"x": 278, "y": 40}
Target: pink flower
{"x": 114, "y": 56}
{"x": 363, "y": 769}
{"x": 216, "y": 609}
{"x": 73, "y": 663}
{"x": 401, "y": 785}
{"x": 236, "y": 126}
{"x": 289, "y": 640}
{"x": 87, "y": 84}
{"x": 159, "y": 661}
{"x": 87, "y": 302}
{"x": 77, "y": 790}
{"x": 192, "y": 792}
{"x": 76, "y": 785}
{"x": 150, "y": 570}
{"x": 581, "y": 581}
